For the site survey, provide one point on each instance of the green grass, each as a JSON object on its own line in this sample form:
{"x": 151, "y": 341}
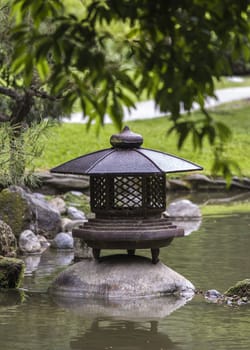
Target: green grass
{"x": 68, "y": 141}
{"x": 226, "y": 209}
{"x": 225, "y": 83}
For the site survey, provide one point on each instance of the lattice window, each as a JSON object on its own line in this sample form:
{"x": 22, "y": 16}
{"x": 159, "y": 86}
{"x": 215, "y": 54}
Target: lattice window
{"x": 99, "y": 192}
{"x": 127, "y": 192}
{"x": 156, "y": 192}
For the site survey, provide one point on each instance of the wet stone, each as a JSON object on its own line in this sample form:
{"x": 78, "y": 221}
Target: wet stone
{"x": 119, "y": 277}
{"x": 63, "y": 240}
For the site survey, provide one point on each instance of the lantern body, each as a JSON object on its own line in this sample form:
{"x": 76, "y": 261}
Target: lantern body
{"x": 127, "y": 195}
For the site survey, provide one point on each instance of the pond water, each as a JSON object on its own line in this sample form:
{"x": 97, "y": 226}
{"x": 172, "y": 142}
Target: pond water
{"x": 214, "y": 257}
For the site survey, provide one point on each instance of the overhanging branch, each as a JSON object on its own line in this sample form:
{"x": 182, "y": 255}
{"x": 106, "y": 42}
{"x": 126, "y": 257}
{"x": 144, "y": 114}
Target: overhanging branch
{"x": 9, "y": 92}
{"x": 42, "y": 94}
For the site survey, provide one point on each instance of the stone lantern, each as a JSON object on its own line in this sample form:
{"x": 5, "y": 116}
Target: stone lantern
{"x": 127, "y": 195}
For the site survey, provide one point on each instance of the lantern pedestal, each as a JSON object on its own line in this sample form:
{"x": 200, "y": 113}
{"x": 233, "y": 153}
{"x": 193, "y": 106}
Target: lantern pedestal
{"x": 128, "y": 234}
{"x": 120, "y": 277}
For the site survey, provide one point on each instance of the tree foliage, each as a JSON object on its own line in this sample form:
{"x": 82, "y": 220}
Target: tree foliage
{"x": 23, "y": 103}
{"x": 113, "y": 51}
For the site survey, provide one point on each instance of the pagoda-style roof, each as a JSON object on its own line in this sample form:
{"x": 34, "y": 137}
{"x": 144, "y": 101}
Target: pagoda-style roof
{"x": 126, "y": 157}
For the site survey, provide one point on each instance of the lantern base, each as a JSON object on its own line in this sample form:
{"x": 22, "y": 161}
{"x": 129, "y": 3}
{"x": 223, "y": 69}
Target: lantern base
{"x": 129, "y": 234}
{"x": 154, "y": 253}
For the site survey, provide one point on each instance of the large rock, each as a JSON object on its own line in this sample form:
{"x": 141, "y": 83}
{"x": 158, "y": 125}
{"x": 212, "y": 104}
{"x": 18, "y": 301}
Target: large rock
{"x": 8, "y": 243}
{"x": 47, "y": 218}
{"x": 11, "y": 272}
{"x": 22, "y": 210}
{"x": 120, "y": 277}
{"x": 61, "y": 183}
{"x": 15, "y": 209}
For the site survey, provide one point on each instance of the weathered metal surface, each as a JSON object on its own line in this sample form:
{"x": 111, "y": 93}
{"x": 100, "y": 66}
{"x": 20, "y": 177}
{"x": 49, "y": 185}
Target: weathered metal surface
{"x": 127, "y": 187}
{"x": 128, "y": 195}
{"x": 126, "y": 157}
{"x": 126, "y": 139}
{"x": 128, "y": 234}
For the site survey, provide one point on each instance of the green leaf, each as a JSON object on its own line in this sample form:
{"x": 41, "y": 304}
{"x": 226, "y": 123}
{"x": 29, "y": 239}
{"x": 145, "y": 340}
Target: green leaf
{"x": 116, "y": 112}
{"x": 43, "y": 69}
{"x": 223, "y": 130}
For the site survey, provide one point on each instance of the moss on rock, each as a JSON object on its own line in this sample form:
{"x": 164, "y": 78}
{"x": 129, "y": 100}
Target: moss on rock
{"x": 11, "y": 272}
{"x": 241, "y": 289}
{"x": 81, "y": 202}
{"x": 14, "y": 211}
{"x": 8, "y": 243}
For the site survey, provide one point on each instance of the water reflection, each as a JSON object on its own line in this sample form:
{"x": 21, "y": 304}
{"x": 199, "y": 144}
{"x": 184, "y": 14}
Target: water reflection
{"x": 106, "y": 334}
{"x": 48, "y": 262}
{"x": 216, "y": 256}
{"x": 9, "y": 298}
{"x": 135, "y": 309}
{"x": 189, "y": 226}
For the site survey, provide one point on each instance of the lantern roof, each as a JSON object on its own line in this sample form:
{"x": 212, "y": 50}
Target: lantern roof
{"x": 126, "y": 157}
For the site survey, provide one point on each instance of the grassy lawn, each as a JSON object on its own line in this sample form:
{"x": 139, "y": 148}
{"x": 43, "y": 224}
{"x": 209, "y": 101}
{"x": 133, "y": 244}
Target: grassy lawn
{"x": 225, "y": 82}
{"x": 68, "y": 141}
{"x": 226, "y": 209}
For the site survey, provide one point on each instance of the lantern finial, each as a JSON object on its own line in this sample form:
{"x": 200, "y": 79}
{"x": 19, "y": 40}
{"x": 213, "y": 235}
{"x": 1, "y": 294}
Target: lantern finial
{"x": 126, "y": 139}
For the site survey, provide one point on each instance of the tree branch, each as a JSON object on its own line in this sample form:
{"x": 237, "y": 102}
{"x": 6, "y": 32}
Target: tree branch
{"x": 4, "y": 118}
{"x": 42, "y": 94}
{"x": 9, "y": 92}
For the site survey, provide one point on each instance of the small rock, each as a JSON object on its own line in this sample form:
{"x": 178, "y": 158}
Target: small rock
{"x": 29, "y": 243}
{"x": 183, "y": 208}
{"x": 67, "y": 224}
{"x": 212, "y": 294}
{"x": 43, "y": 241}
{"x": 188, "y": 226}
{"x": 76, "y": 193}
{"x": 76, "y": 214}
{"x": 63, "y": 240}
{"x": 58, "y": 204}
{"x": 81, "y": 249}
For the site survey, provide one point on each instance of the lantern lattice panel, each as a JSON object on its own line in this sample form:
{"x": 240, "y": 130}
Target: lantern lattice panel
{"x": 127, "y": 192}
{"x": 130, "y": 194}
{"x": 99, "y": 191}
{"x": 156, "y": 195}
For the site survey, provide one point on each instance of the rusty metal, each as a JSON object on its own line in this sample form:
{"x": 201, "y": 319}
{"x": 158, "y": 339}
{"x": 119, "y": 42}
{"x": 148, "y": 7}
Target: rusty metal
{"x": 127, "y": 195}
